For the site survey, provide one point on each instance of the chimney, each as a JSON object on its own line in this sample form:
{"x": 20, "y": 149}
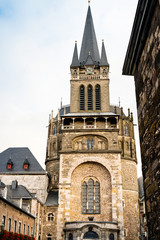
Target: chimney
{"x": 14, "y": 184}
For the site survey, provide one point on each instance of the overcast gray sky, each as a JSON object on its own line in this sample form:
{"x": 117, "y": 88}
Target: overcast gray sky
{"x": 36, "y": 47}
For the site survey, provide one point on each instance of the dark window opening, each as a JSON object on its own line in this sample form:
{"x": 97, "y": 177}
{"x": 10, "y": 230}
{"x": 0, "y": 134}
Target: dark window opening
{"x": 70, "y": 236}
{"x": 111, "y": 236}
{"x": 90, "y": 144}
{"x": 98, "y": 97}
{"x": 90, "y": 98}
{"x": 82, "y": 98}
{"x": 91, "y": 235}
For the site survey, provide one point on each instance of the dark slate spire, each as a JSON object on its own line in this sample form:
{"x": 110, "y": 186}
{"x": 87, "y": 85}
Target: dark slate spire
{"x": 75, "y": 61}
{"x": 89, "y": 42}
{"x": 104, "y": 61}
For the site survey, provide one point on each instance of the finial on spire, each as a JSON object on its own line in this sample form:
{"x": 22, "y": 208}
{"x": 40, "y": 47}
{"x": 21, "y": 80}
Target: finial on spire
{"x": 89, "y": 2}
{"x": 75, "y": 41}
{"x": 102, "y": 40}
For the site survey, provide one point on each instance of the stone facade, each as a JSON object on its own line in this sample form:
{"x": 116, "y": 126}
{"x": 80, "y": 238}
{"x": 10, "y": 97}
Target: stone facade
{"x": 146, "y": 70}
{"x": 15, "y": 219}
{"x": 91, "y": 158}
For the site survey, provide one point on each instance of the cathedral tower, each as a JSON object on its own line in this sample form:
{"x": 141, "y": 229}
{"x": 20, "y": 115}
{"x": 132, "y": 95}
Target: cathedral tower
{"x": 91, "y": 157}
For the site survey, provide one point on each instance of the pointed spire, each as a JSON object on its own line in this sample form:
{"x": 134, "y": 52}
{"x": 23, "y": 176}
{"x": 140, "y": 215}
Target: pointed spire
{"x": 89, "y": 42}
{"x": 104, "y": 61}
{"x": 89, "y": 60}
{"x": 75, "y": 61}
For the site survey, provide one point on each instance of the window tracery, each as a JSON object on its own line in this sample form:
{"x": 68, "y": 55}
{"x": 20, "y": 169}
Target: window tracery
{"x": 91, "y": 196}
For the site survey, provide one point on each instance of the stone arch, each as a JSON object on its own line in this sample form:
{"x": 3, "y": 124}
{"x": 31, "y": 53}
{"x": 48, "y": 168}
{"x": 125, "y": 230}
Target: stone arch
{"x": 91, "y": 170}
{"x": 90, "y": 228}
{"x": 98, "y": 142}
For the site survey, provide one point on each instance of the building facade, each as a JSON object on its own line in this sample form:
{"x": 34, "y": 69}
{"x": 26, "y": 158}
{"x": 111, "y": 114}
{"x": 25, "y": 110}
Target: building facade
{"x": 143, "y": 62}
{"x": 91, "y": 156}
{"x": 13, "y": 218}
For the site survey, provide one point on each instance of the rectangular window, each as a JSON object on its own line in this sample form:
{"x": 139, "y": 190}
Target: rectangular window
{"x": 19, "y": 230}
{"x": 24, "y": 229}
{"x": 9, "y": 224}
{"x": 15, "y": 226}
{"x": 31, "y": 231}
{"x": 28, "y": 231}
{"x": 4, "y": 220}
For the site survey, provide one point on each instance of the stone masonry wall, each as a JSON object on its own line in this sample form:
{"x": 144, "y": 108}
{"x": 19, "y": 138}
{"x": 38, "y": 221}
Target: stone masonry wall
{"x": 16, "y": 215}
{"x": 147, "y": 80}
{"x": 70, "y": 165}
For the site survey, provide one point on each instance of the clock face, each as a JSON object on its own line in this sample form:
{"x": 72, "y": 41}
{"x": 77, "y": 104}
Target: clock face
{"x": 89, "y": 70}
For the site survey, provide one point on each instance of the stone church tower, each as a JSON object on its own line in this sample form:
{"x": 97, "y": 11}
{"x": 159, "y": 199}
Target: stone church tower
{"x": 91, "y": 159}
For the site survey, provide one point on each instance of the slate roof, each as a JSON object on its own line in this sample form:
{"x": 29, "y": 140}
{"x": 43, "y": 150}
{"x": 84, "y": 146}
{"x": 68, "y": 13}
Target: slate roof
{"x": 112, "y": 111}
{"x": 18, "y": 156}
{"x": 104, "y": 61}
{"x": 19, "y": 192}
{"x": 75, "y": 61}
{"x": 89, "y": 42}
{"x": 52, "y": 199}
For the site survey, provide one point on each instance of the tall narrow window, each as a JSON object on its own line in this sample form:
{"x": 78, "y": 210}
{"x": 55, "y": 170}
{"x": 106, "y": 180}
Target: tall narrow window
{"x": 9, "y": 224}
{"x": 97, "y": 197}
{"x": 19, "y": 230}
{"x": 15, "y": 226}
{"x": 24, "y": 229}
{"x": 98, "y": 97}
{"x": 4, "y": 220}
{"x": 84, "y": 197}
{"x": 82, "y": 97}
{"x": 90, "y": 98}
{"x": 90, "y": 144}
{"x": 90, "y": 196}
{"x": 70, "y": 236}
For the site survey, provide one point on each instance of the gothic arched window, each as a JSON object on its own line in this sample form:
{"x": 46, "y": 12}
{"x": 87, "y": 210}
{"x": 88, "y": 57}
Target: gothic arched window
{"x": 98, "y": 97}
{"x": 90, "y": 98}
{"x": 91, "y": 197}
{"x": 111, "y": 236}
{"x": 70, "y": 236}
{"x": 82, "y": 97}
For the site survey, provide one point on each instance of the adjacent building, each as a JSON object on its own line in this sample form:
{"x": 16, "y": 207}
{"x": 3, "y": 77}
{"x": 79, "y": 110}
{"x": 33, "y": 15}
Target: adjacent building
{"x": 91, "y": 156}
{"x": 143, "y": 62}
{"x": 20, "y": 164}
{"x": 14, "y": 218}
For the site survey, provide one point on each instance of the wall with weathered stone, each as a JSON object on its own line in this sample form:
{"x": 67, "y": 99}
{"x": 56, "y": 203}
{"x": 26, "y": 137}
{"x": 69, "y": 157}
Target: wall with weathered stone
{"x": 73, "y": 168}
{"x": 147, "y": 80}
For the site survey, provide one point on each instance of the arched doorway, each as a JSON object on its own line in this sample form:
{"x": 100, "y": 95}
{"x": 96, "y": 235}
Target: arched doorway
{"x": 91, "y": 235}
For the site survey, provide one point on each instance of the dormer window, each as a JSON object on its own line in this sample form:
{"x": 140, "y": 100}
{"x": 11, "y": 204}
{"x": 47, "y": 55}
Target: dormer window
{"x": 9, "y": 164}
{"x": 26, "y": 164}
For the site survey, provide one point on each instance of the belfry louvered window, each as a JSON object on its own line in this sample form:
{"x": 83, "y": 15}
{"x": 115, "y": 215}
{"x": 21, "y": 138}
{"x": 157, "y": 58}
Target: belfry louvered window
{"x": 90, "y": 98}
{"x": 82, "y": 97}
{"x": 91, "y": 197}
{"x": 98, "y": 97}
